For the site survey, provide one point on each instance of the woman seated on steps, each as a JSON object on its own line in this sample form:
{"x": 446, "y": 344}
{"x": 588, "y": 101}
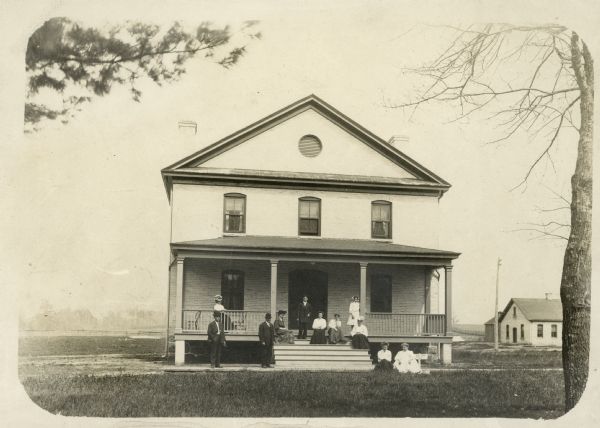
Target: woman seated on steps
{"x": 360, "y": 335}
{"x": 319, "y": 326}
{"x": 282, "y": 334}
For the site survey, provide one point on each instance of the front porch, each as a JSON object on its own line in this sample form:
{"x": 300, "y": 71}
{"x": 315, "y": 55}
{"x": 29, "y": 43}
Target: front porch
{"x": 403, "y": 281}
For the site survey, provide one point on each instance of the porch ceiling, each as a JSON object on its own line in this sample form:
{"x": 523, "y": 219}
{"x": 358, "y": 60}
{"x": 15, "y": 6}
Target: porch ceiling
{"x": 291, "y": 247}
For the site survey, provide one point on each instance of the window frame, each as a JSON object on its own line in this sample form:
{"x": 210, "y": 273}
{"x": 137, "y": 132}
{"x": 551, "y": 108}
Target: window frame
{"x": 514, "y": 312}
{"x": 507, "y": 331}
{"x": 373, "y": 279}
{"x": 226, "y": 294}
{"x": 540, "y": 330}
{"x": 300, "y": 218}
{"x": 553, "y": 330}
{"x": 389, "y": 234}
{"x": 243, "y": 215}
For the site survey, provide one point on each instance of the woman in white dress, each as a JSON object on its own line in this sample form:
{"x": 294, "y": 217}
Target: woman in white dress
{"x": 353, "y": 311}
{"x": 405, "y": 361}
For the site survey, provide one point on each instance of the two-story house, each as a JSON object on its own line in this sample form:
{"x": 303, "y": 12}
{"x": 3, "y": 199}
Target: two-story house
{"x": 307, "y": 202}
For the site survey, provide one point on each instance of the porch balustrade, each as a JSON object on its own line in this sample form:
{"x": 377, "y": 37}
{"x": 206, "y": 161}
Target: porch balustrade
{"x": 387, "y": 324}
{"x": 379, "y": 324}
{"x": 234, "y": 322}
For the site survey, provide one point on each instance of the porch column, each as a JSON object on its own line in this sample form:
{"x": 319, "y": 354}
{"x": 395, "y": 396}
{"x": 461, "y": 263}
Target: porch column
{"x": 448, "y": 297}
{"x": 179, "y": 344}
{"x": 428, "y": 276}
{"x": 274, "y": 288}
{"x": 179, "y": 296}
{"x": 363, "y": 288}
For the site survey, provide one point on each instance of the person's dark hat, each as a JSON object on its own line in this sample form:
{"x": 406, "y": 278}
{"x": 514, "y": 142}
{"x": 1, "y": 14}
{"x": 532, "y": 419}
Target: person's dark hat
{"x": 281, "y": 312}
{"x": 216, "y": 314}
{"x": 268, "y": 315}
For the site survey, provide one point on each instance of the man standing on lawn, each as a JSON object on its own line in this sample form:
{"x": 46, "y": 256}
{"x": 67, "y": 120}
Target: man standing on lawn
{"x": 304, "y": 310}
{"x": 216, "y": 338}
{"x": 266, "y": 335}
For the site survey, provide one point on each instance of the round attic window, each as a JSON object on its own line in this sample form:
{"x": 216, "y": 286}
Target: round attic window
{"x": 310, "y": 146}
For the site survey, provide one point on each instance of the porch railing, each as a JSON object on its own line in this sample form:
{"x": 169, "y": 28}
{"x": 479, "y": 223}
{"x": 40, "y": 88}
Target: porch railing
{"x": 234, "y": 322}
{"x": 387, "y": 324}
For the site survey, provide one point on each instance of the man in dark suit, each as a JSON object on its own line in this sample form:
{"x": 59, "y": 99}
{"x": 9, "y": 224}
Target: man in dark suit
{"x": 304, "y": 310}
{"x": 266, "y": 335}
{"x": 216, "y": 338}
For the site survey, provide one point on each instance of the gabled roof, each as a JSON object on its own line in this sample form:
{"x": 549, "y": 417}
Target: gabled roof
{"x": 537, "y": 309}
{"x": 194, "y": 161}
{"x": 492, "y": 320}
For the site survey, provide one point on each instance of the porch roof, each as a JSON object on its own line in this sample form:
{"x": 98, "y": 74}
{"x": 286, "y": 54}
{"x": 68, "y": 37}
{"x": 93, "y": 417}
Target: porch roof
{"x": 277, "y": 245}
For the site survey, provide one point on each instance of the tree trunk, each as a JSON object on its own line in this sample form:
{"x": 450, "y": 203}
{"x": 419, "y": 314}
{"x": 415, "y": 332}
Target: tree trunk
{"x": 575, "y": 287}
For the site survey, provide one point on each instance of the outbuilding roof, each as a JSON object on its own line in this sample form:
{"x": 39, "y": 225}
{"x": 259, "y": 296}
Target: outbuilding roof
{"x": 537, "y": 309}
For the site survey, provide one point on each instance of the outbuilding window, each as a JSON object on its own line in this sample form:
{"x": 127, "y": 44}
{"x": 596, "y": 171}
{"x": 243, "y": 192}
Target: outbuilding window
{"x": 507, "y": 332}
{"x": 540, "y": 330}
{"x": 234, "y": 213}
{"x": 381, "y": 219}
{"x": 309, "y": 216}
{"x": 522, "y": 332}
{"x": 554, "y": 330}
{"x": 514, "y": 311}
{"x": 381, "y": 293}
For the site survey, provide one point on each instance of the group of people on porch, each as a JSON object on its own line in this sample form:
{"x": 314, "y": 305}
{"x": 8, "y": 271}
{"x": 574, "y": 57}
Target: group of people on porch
{"x": 271, "y": 333}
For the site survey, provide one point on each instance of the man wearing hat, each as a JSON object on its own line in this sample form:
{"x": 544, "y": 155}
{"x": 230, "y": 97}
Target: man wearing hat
{"x": 304, "y": 310}
{"x": 266, "y": 335}
{"x": 216, "y": 338}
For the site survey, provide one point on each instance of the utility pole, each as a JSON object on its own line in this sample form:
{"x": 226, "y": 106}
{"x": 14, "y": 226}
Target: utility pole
{"x": 496, "y": 308}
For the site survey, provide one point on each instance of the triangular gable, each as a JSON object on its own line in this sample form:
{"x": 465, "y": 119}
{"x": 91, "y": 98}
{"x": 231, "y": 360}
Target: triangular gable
{"x": 535, "y": 309}
{"x": 407, "y": 167}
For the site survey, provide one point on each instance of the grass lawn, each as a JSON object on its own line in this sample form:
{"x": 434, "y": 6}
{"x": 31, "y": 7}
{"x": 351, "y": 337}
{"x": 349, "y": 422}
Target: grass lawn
{"x": 522, "y": 394}
{"x": 483, "y": 355}
{"x": 35, "y": 346}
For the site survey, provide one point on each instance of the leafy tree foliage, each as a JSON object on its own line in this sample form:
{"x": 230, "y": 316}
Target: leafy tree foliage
{"x": 80, "y": 62}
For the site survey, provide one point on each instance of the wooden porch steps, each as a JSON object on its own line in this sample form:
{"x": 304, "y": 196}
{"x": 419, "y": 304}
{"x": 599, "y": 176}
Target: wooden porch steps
{"x": 303, "y": 355}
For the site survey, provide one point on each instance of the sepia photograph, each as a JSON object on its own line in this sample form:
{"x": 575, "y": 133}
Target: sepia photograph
{"x": 298, "y": 211}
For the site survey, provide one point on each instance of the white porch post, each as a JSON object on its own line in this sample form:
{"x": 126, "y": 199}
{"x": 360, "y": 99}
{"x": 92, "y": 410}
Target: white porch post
{"x": 179, "y": 344}
{"x": 363, "y": 288}
{"x": 448, "y": 297}
{"x": 274, "y": 287}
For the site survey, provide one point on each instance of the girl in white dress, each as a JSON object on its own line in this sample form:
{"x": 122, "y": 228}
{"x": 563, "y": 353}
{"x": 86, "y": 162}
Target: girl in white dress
{"x": 405, "y": 361}
{"x": 353, "y": 311}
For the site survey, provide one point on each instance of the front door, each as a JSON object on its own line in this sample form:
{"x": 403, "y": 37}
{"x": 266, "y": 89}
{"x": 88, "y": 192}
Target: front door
{"x": 306, "y": 282}
{"x": 514, "y": 335}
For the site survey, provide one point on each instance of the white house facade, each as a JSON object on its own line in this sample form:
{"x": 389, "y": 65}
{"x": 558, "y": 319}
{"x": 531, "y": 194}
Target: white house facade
{"x": 536, "y": 322}
{"x": 307, "y": 202}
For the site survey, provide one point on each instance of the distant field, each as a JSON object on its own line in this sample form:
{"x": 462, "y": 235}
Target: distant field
{"x": 483, "y": 355}
{"x": 33, "y": 346}
{"x": 528, "y": 394}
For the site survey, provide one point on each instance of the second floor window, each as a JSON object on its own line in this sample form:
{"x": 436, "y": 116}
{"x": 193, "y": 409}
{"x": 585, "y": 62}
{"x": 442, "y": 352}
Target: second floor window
{"x": 234, "y": 216}
{"x": 309, "y": 216}
{"x": 381, "y": 219}
{"x": 514, "y": 311}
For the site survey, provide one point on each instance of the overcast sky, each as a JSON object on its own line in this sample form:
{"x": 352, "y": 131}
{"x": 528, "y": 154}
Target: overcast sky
{"x": 91, "y": 217}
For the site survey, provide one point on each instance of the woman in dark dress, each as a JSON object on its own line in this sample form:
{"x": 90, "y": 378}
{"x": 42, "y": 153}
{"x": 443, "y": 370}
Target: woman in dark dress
{"x": 282, "y": 334}
{"x": 319, "y": 326}
{"x": 360, "y": 335}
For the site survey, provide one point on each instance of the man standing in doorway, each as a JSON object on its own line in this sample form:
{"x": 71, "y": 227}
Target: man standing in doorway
{"x": 266, "y": 335}
{"x": 304, "y": 310}
{"x": 216, "y": 338}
